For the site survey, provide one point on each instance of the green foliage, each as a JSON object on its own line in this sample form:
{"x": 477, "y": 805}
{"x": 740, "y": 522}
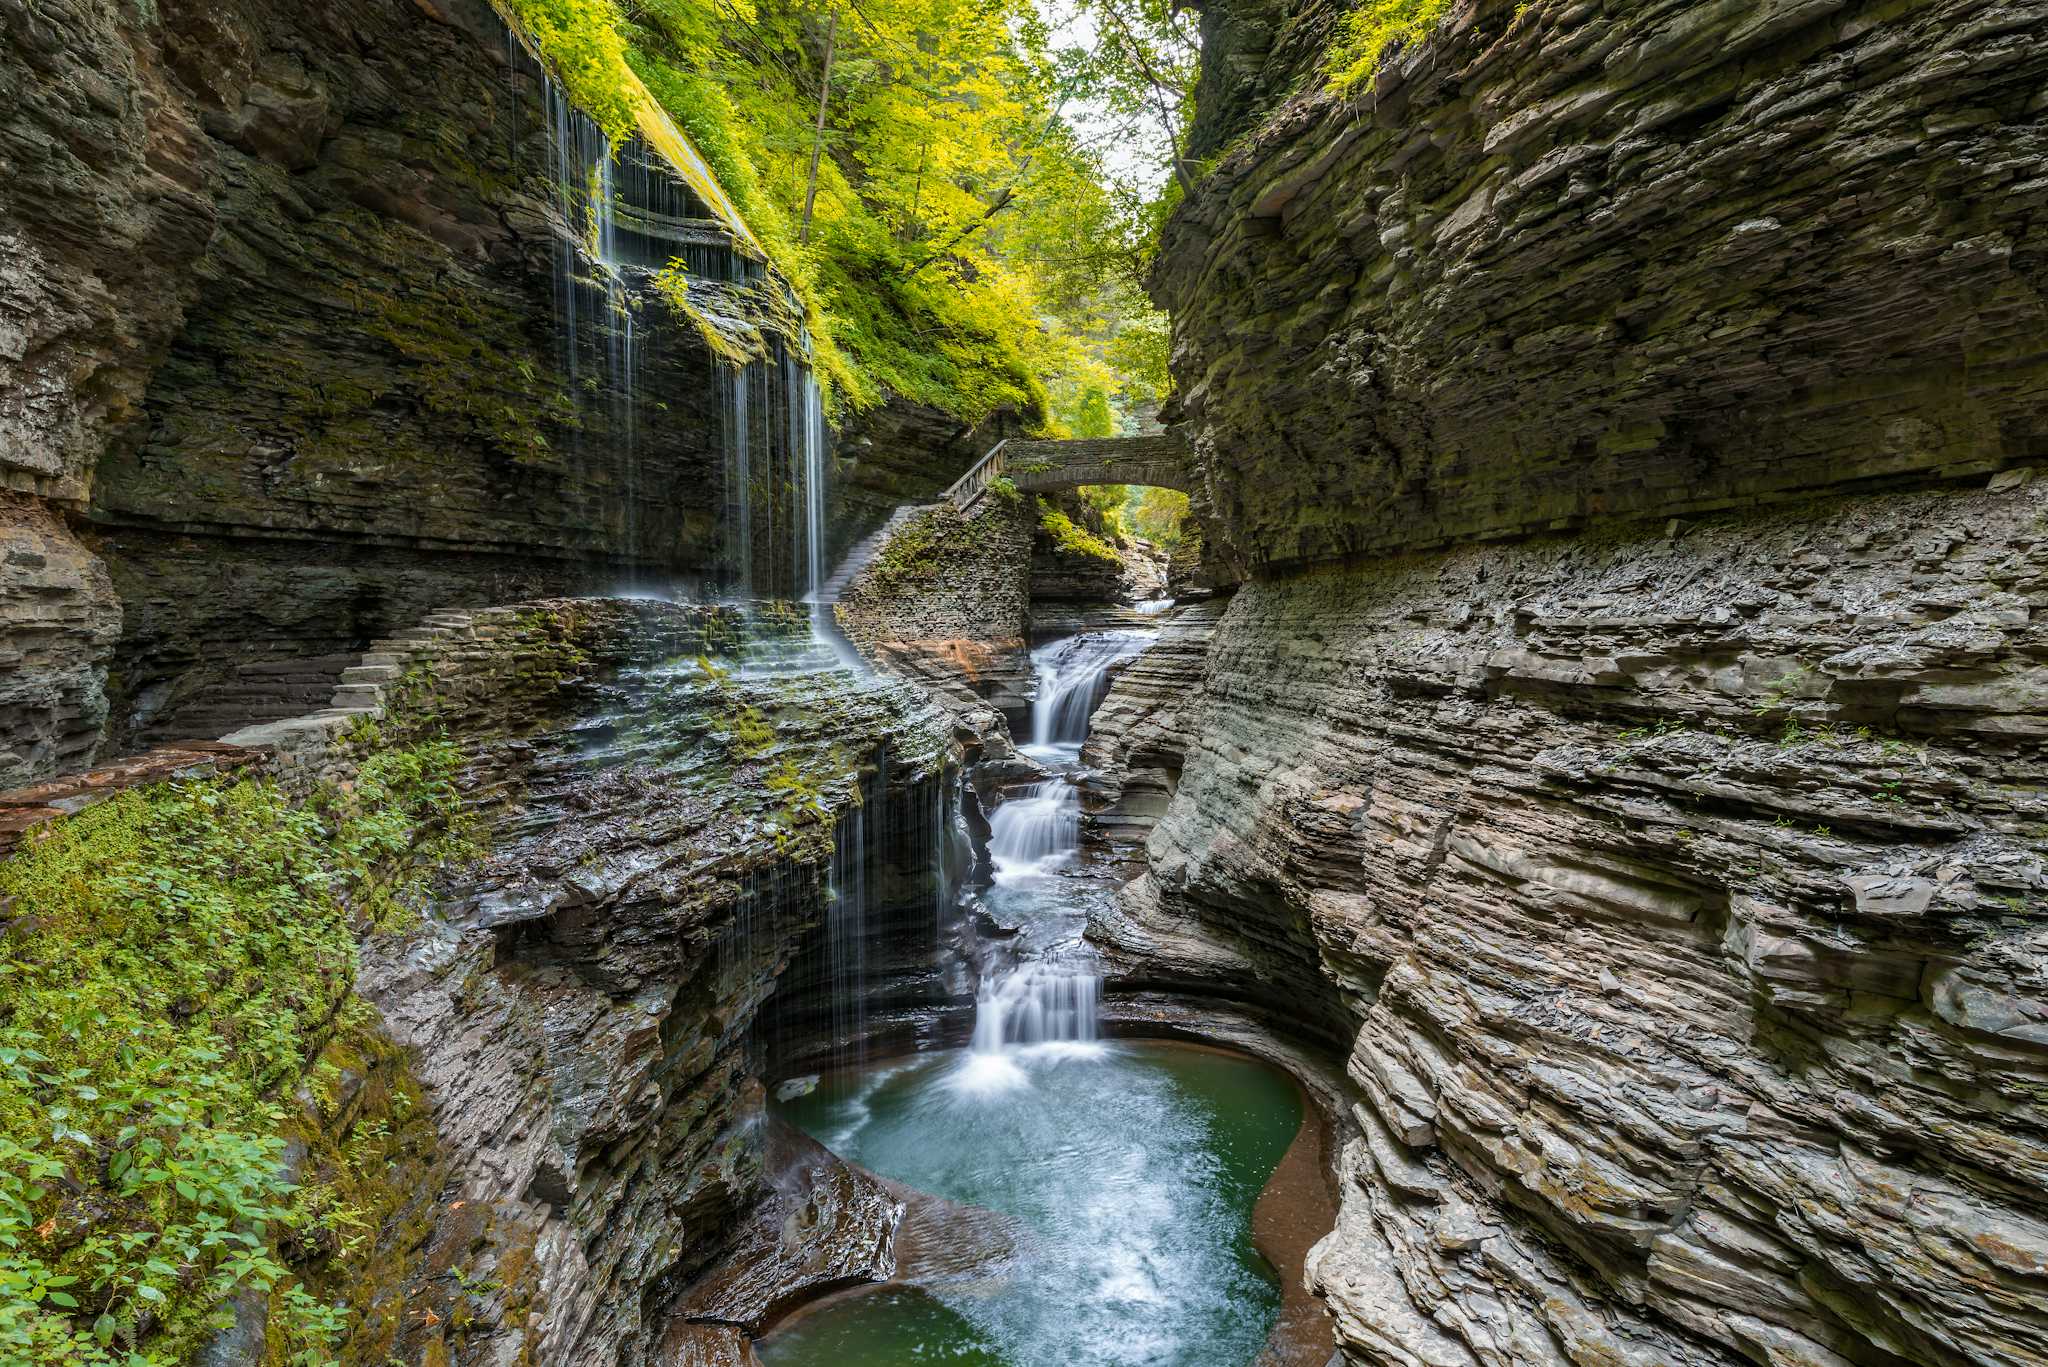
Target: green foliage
{"x": 1107, "y": 502}
{"x": 1005, "y": 488}
{"x": 175, "y": 958}
{"x": 581, "y": 41}
{"x": 941, "y": 261}
{"x": 1158, "y": 516}
{"x": 912, "y": 557}
{"x": 1072, "y": 539}
{"x": 1364, "y": 35}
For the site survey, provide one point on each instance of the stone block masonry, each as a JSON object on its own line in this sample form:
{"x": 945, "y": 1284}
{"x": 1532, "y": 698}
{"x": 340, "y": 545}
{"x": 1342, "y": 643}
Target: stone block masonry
{"x": 946, "y": 601}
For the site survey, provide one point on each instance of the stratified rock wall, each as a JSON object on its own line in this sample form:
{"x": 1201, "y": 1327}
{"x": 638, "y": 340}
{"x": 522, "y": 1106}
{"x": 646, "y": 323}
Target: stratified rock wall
{"x": 1567, "y": 262}
{"x": 58, "y": 622}
{"x": 1679, "y": 894}
{"x": 1138, "y": 736}
{"x": 946, "y": 601}
{"x": 301, "y": 336}
{"x": 582, "y": 1010}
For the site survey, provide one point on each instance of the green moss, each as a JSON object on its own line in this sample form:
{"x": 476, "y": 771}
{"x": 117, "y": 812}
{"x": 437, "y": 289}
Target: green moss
{"x": 456, "y": 370}
{"x": 1072, "y": 539}
{"x": 175, "y": 960}
{"x": 914, "y": 556}
{"x": 1364, "y": 36}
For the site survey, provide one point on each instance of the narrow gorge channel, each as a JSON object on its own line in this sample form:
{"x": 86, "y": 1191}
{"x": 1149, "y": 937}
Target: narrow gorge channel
{"x": 1043, "y": 683}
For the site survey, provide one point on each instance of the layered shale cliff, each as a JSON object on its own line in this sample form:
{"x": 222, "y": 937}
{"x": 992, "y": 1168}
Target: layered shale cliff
{"x": 1628, "y": 754}
{"x": 317, "y": 318}
{"x": 1566, "y": 262}
{"x": 551, "y": 1125}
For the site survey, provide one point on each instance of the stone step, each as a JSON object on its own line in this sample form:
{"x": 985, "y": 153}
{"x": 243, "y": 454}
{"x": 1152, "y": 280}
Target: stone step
{"x": 370, "y": 674}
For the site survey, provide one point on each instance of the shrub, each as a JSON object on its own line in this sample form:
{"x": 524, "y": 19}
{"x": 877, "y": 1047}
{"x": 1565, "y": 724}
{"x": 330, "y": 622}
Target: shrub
{"x": 1364, "y": 35}
{"x": 175, "y": 959}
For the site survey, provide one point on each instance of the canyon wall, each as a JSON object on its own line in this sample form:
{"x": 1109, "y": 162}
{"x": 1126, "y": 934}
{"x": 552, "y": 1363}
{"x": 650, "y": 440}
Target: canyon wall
{"x": 1567, "y": 262}
{"x": 670, "y": 802}
{"x": 1678, "y": 899}
{"x": 1628, "y": 752}
{"x": 582, "y": 1007}
{"x": 303, "y": 338}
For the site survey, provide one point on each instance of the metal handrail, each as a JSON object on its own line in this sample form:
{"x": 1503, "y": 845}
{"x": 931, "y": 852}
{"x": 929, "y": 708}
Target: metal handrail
{"x": 964, "y": 490}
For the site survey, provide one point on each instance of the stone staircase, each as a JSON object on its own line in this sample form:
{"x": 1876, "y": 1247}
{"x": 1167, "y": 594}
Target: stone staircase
{"x": 865, "y": 550}
{"x": 363, "y": 686}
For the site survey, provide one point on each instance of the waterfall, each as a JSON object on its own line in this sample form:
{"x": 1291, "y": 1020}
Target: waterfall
{"x": 621, "y": 218}
{"x": 846, "y": 929}
{"x": 739, "y": 477}
{"x": 1034, "y": 1010}
{"x": 1036, "y": 1005}
{"x": 582, "y": 169}
{"x": 1073, "y": 675}
{"x": 775, "y": 476}
{"x": 1034, "y": 834}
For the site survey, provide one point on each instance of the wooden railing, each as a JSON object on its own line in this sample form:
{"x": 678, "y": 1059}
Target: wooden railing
{"x": 970, "y": 486}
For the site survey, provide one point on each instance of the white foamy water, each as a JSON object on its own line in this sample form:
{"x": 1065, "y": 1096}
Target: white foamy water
{"x": 1073, "y": 675}
{"x": 1034, "y": 834}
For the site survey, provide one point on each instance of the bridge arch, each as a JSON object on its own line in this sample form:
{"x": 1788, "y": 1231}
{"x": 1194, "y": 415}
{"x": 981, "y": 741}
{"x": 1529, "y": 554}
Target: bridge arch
{"x": 1160, "y": 459}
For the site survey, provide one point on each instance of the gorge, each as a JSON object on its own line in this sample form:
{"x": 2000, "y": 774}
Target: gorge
{"x": 626, "y": 736}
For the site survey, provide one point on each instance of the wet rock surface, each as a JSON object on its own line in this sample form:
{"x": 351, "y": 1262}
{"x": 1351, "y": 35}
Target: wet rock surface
{"x": 946, "y": 602}
{"x": 1569, "y": 262}
{"x": 298, "y": 347}
{"x": 1137, "y": 738}
{"x": 826, "y": 1225}
{"x": 582, "y": 1007}
{"x": 1675, "y": 894}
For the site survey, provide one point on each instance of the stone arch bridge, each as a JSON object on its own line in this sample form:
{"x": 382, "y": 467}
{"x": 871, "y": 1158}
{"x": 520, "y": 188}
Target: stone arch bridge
{"x": 1160, "y": 459}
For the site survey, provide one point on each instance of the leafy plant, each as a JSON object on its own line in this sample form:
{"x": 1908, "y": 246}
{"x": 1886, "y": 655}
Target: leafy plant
{"x": 175, "y": 959}
{"x": 1365, "y": 35}
{"x": 1072, "y": 539}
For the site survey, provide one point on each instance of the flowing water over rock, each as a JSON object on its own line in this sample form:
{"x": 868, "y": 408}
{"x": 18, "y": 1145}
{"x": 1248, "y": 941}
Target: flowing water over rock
{"x": 1073, "y": 674}
{"x": 1035, "y": 832}
{"x": 1131, "y": 1169}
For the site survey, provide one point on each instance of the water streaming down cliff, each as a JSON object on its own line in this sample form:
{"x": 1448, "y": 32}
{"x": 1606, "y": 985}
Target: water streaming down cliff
{"x": 1042, "y": 990}
{"x": 623, "y": 220}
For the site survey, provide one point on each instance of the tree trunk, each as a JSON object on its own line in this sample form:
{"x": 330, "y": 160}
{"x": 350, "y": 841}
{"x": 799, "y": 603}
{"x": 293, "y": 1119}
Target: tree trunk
{"x": 803, "y": 233}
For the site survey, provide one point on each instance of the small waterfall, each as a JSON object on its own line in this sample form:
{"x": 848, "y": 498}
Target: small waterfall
{"x": 1036, "y": 1008}
{"x": 737, "y": 382}
{"x": 1034, "y": 834}
{"x": 775, "y": 475}
{"x": 583, "y": 170}
{"x": 1073, "y": 676}
{"x": 1036, "y": 1005}
{"x": 846, "y": 930}
{"x": 811, "y": 416}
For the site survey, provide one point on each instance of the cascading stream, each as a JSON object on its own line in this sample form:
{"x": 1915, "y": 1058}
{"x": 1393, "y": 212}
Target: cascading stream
{"x": 1031, "y": 835}
{"x": 1073, "y": 676}
{"x": 1047, "y": 996}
